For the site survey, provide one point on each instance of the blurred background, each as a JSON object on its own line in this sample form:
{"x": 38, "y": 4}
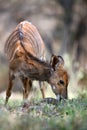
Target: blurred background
{"x": 63, "y": 27}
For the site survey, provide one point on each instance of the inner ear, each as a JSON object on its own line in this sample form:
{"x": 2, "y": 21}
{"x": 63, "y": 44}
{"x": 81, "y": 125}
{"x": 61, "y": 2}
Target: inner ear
{"x": 56, "y": 61}
{"x": 53, "y": 61}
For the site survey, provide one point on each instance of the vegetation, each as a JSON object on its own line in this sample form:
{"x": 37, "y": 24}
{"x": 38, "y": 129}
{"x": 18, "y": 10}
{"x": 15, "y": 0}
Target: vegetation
{"x": 66, "y": 115}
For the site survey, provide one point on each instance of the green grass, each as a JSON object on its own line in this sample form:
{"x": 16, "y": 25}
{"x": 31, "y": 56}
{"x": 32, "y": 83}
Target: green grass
{"x": 67, "y": 115}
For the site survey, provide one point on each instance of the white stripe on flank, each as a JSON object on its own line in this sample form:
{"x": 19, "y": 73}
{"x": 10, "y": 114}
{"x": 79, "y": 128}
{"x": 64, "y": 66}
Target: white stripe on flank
{"x": 17, "y": 49}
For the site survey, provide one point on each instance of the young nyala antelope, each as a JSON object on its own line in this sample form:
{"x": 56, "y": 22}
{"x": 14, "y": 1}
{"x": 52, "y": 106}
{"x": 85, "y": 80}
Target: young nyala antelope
{"x": 25, "y": 50}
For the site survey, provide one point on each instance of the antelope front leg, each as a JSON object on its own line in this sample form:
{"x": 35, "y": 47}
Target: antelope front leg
{"x": 42, "y": 89}
{"x": 9, "y": 88}
{"x": 27, "y": 84}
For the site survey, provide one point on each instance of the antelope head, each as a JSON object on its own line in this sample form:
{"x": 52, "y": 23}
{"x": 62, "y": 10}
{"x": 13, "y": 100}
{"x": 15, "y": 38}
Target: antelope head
{"x": 59, "y": 77}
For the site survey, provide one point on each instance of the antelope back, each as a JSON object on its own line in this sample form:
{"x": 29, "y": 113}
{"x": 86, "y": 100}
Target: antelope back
{"x": 28, "y": 34}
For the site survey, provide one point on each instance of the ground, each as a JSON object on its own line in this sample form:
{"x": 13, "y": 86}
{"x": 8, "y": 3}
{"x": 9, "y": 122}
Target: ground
{"x": 66, "y": 115}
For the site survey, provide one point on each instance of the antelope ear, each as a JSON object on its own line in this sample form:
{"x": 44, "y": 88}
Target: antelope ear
{"x": 56, "y": 62}
{"x": 53, "y": 61}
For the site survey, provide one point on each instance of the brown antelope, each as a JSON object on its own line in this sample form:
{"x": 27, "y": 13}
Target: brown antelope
{"x": 26, "y": 53}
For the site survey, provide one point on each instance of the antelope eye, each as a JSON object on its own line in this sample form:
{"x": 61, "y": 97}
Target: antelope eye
{"x": 61, "y": 82}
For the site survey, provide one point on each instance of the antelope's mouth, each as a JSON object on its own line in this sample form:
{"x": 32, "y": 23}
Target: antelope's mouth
{"x": 60, "y": 97}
